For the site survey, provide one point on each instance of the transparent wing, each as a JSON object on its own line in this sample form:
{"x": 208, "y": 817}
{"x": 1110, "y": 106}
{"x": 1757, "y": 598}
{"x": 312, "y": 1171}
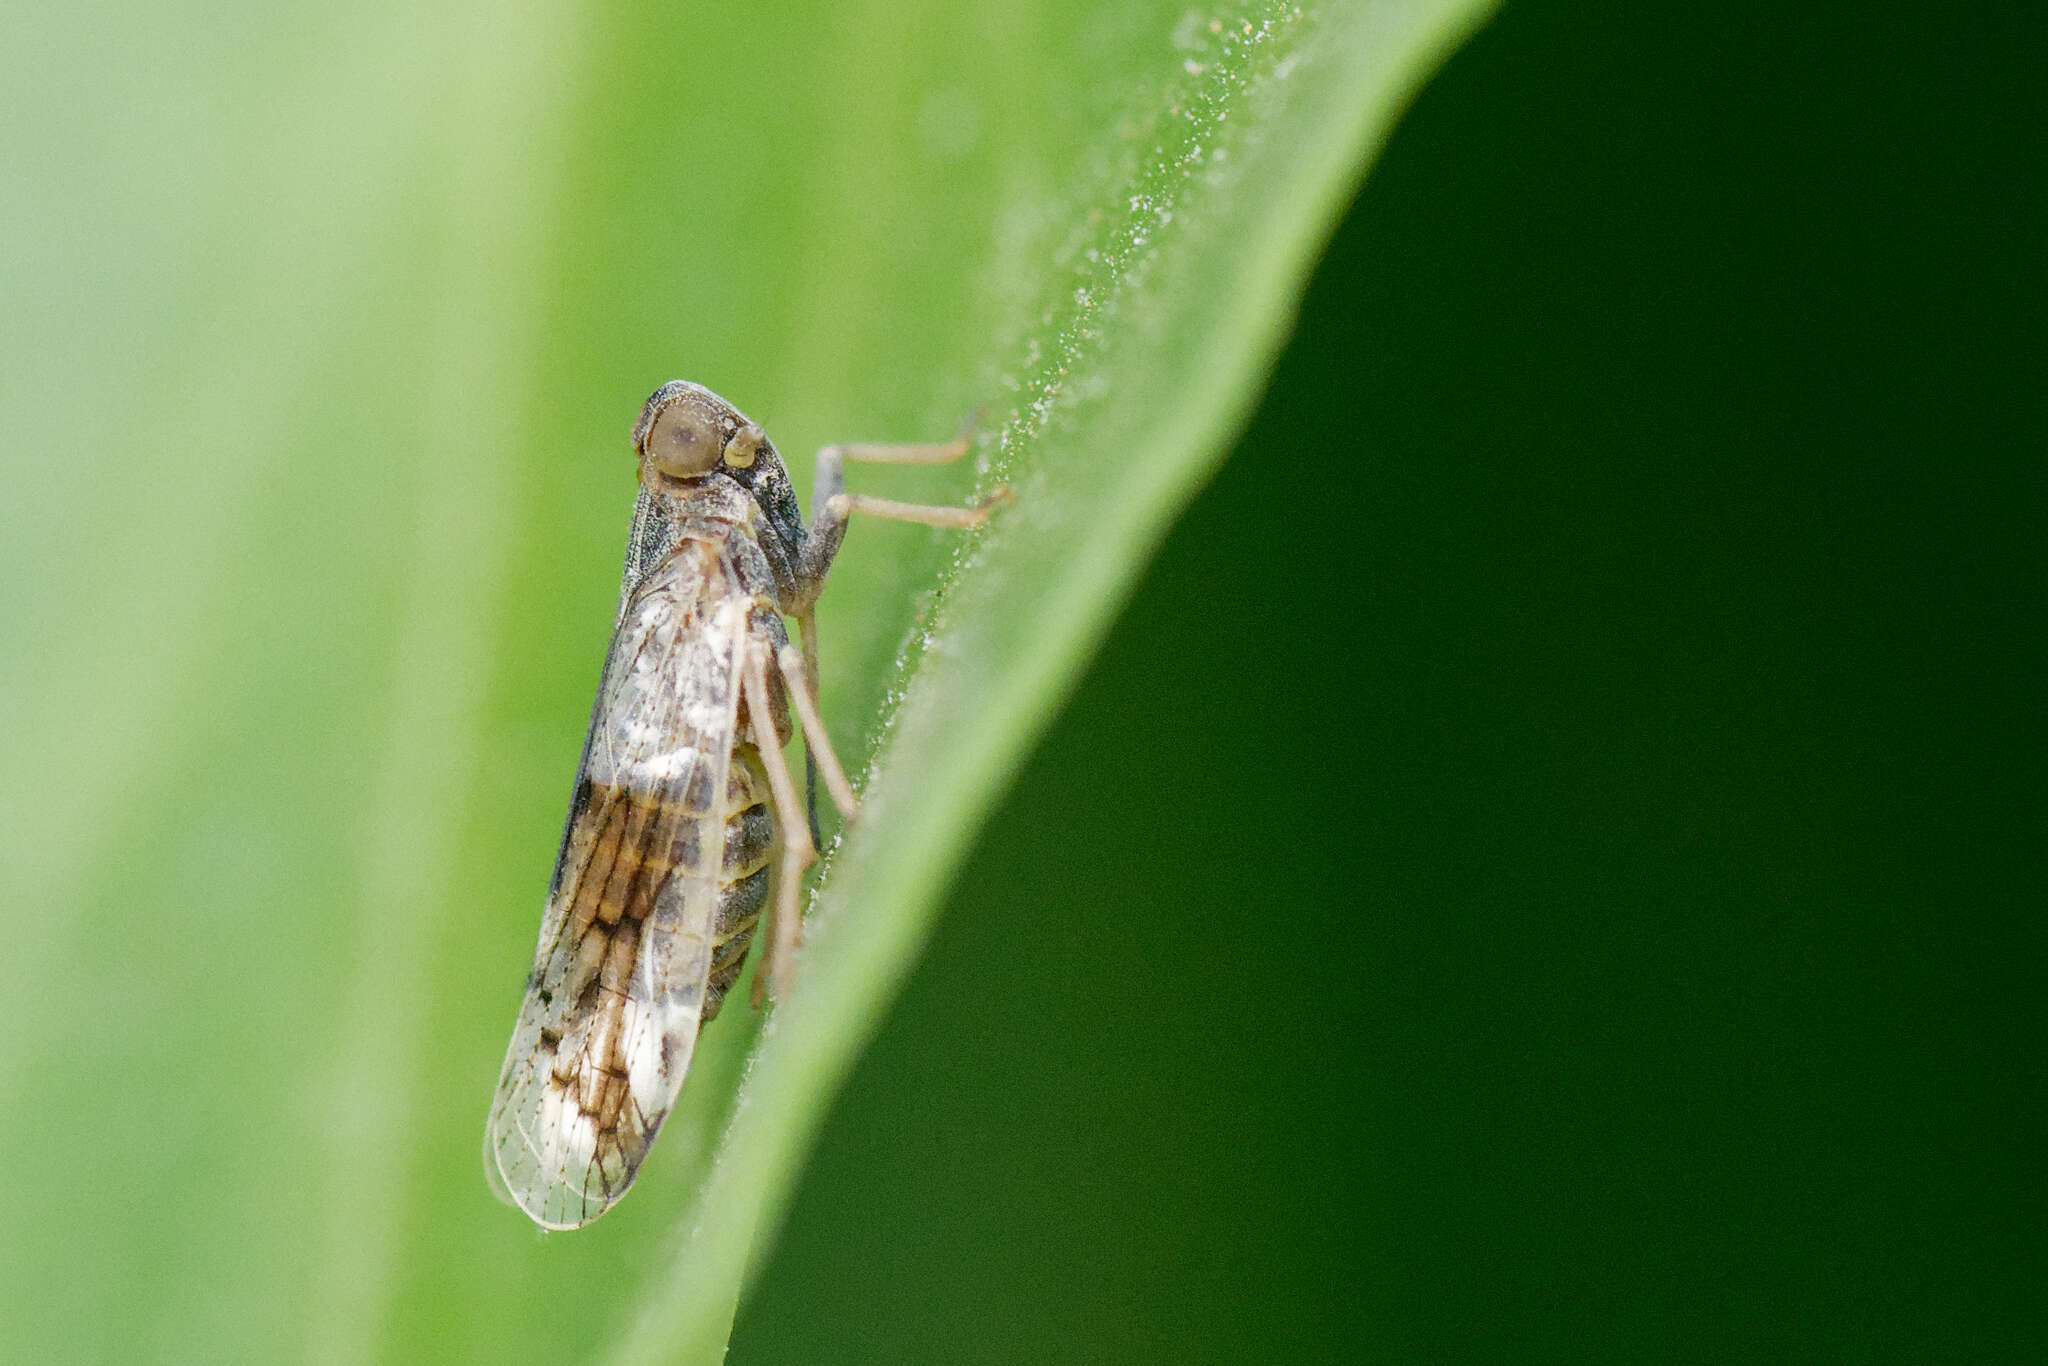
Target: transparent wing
{"x": 612, "y": 1009}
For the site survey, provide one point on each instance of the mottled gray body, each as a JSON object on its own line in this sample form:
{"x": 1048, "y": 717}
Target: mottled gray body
{"x": 665, "y": 861}
{"x": 720, "y": 528}
{"x": 684, "y": 822}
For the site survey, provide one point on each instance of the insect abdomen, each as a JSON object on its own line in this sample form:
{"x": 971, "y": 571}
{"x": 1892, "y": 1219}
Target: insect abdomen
{"x": 743, "y": 878}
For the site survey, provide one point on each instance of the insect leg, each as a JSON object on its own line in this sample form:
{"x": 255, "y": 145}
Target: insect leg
{"x": 816, "y": 741}
{"x": 807, "y": 630}
{"x": 798, "y": 853}
{"x": 849, "y": 503}
{"x": 832, "y": 505}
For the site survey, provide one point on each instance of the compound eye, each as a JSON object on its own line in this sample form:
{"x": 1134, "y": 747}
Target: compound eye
{"x": 686, "y": 438}
{"x": 746, "y": 443}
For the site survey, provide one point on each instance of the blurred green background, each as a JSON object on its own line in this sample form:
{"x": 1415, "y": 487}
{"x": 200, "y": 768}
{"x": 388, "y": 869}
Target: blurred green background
{"x": 1546, "y": 868}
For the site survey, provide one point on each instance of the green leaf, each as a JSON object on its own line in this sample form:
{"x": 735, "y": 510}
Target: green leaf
{"x": 327, "y": 332}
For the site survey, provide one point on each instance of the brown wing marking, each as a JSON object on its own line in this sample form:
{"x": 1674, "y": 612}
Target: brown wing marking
{"x": 612, "y": 1010}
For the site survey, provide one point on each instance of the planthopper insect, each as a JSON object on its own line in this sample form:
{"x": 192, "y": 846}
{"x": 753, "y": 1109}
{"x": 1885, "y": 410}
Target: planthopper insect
{"x": 685, "y": 823}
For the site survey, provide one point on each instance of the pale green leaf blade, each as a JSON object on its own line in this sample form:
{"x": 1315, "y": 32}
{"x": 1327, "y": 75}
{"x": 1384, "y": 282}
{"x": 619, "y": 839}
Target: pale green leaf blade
{"x": 326, "y": 330}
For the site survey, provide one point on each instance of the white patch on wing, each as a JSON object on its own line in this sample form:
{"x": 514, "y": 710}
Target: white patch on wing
{"x": 662, "y": 768}
{"x": 644, "y": 1071}
{"x": 570, "y": 1136}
